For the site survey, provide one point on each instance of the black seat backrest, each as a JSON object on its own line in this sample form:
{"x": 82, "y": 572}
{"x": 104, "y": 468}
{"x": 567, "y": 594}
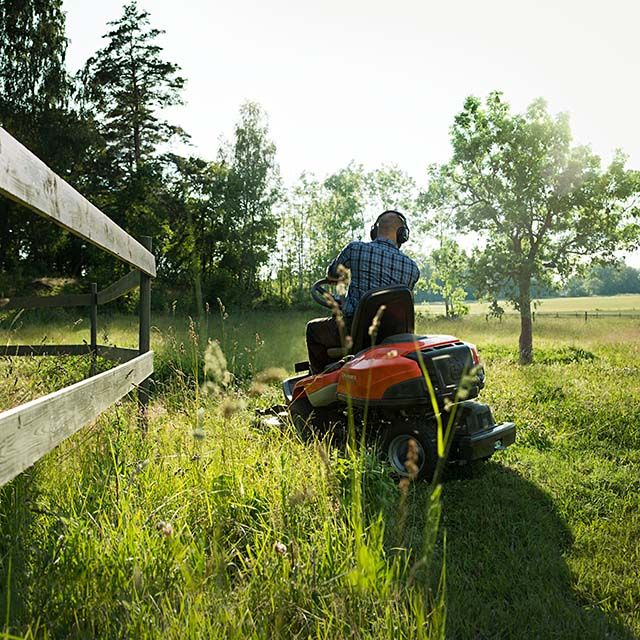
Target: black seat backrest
{"x": 398, "y": 316}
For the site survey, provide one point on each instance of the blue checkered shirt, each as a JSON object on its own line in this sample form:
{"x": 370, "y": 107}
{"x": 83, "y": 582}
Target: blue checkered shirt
{"x": 373, "y": 265}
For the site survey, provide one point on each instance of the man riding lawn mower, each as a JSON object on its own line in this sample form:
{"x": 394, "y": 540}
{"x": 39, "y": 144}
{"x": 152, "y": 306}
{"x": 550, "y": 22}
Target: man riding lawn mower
{"x": 400, "y": 383}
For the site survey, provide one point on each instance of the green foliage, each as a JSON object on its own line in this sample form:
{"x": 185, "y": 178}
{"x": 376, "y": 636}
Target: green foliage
{"x": 35, "y": 97}
{"x": 336, "y": 213}
{"x": 194, "y": 233}
{"x": 253, "y": 189}
{"x": 450, "y": 267}
{"x": 389, "y": 187}
{"x": 537, "y": 202}
{"x": 601, "y": 279}
{"x": 125, "y": 84}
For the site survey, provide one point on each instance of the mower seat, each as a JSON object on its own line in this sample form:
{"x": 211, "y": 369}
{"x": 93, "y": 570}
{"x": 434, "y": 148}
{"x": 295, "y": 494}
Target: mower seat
{"x": 397, "y": 318}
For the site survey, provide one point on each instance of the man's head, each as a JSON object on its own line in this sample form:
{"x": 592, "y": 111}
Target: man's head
{"x": 391, "y": 225}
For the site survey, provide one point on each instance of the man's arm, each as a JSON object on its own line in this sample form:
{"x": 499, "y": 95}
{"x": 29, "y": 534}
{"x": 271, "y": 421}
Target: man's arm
{"x": 343, "y": 258}
{"x": 415, "y": 276}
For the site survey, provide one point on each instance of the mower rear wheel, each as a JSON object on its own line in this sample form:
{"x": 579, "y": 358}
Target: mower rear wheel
{"x": 410, "y": 450}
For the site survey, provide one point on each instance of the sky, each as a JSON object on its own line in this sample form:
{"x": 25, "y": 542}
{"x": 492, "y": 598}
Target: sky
{"x": 380, "y": 82}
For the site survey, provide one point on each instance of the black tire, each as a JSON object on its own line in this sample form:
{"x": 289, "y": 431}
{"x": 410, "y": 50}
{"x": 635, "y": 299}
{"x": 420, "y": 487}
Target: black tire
{"x": 397, "y": 449}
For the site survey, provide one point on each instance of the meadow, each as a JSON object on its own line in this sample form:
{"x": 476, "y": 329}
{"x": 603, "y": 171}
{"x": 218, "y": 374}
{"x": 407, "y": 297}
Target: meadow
{"x": 628, "y": 304}
{"x": 214, "y": 526}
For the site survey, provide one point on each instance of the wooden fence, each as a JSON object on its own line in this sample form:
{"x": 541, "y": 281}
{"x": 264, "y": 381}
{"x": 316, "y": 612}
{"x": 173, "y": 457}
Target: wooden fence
{"x": 583, "y": 315}
{"x": 31, "y": 430}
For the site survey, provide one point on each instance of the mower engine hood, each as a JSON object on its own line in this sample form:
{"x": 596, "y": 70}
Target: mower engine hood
{"x": 391, "y": 373}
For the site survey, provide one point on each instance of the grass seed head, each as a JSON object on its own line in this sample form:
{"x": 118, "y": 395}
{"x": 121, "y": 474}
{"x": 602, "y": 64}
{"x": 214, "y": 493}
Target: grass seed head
{"x": 271, "y": 375}
{"x": 215, "y": 367}
{"x": 411, "y": 463}
{"x": 231, "y": 406}
{"x": 137, "y": 578}
{"x": 193, "y": 332}
{"x": 301, "y": 496}
{"x": 375, "y": 323}
{"x": 344, "y": 278}
{"x": 165, "y": 528}
{"x": 223, "y": 310}
{"x": 257, "y": 389}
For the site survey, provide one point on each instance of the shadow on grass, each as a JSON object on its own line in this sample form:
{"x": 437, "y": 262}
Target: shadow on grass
{"x": 506, "y": 574}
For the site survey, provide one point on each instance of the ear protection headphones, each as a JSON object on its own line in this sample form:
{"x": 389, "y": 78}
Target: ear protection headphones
{"x": 402, "y": 233}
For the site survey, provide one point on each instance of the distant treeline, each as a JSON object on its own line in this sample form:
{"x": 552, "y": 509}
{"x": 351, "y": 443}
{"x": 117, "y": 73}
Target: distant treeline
{"x": 229, "y": 229}
{"x": 595, "y": 280}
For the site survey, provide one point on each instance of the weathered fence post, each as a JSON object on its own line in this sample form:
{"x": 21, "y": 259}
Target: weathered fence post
{"x": 144, "y": 338}
{"x": 93, "y": 315}
{"x": 586, "y": 315}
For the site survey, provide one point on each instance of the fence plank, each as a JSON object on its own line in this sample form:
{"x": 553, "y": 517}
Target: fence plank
{"x": 27, "y": 180}
{"x": 45, "y": 350}
{"x": 117, "y": 354}
{"x": 31, "y": 430}
{"x": 119, "y": 287}
{"x": 44, "y": 302}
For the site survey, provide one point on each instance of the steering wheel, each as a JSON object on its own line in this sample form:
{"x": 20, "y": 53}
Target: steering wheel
{"x": 318, "y": 292}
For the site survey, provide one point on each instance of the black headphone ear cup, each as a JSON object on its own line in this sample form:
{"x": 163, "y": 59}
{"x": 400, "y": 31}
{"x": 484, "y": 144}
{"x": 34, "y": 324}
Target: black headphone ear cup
{"x": 402, "y": 234}
{"x": 373, "y": 233}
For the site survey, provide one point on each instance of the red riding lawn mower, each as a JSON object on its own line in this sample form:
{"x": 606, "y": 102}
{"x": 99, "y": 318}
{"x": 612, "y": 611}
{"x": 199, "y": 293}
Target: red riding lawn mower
{"x": 399, "y": 383}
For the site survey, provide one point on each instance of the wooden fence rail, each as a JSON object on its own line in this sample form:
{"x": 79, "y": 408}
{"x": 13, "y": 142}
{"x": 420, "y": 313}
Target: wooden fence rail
{"x": 117, "y": 354}
{"x": 31, "y": 430}
{"x": 24, "y": 178}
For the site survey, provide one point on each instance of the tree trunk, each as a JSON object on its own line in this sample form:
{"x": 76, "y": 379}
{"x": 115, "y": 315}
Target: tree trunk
{"x": 526, "y": 326}
{"x": 196, "y": 266}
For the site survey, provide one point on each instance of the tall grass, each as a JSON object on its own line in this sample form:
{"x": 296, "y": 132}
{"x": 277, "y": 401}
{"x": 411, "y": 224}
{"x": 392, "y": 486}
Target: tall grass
{"x": 214, "y": 527}
{"x": 208, "y": 527}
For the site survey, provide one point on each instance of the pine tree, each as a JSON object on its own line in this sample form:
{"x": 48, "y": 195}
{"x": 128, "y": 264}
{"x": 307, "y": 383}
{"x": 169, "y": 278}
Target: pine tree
{"x": 126, "y": 84}
{"x": 124, "y": 88}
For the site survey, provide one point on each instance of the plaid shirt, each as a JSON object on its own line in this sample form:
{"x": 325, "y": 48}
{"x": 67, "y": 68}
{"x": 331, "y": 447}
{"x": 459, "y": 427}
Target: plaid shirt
{"x": 373, "y": 265}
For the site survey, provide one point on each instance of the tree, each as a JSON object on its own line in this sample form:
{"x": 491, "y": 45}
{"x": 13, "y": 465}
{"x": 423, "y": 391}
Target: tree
{"x": 125, "y": 84}
{"x": 35, "y": 96}
{"x": 539, "y": 204}
{"x": 301, "y": 202}
{"x": 391, "y": 188}
{"x": 336, "y": 208}
{"x": 449, "y": 275}
{"x": 123, "y": 88}
{"x": 194, "y": 231}
{"x": 604, "y": 280}
{"x": 253, "y": 188}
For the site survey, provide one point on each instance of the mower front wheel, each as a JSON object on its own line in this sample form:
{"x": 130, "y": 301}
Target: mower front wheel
{"x": 311, "y": 422}
{"x": 410, "y": 450}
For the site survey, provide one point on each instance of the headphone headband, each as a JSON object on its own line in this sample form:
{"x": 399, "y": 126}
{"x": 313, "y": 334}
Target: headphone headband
{"x": 402, "y": 233}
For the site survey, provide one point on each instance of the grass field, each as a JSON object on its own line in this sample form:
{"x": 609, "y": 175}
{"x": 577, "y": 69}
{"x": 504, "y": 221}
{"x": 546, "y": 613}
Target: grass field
{"x": 625, "y": 304}
{"x": 213, "y": 528}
